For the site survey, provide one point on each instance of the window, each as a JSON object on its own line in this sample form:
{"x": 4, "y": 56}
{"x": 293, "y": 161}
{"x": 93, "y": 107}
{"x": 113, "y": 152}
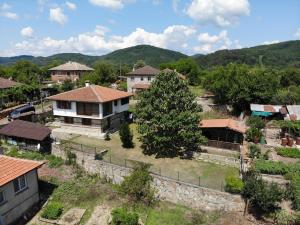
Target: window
{"x": 2, "y": 197}
{"x": 88, "y": 109}
{"x": 142, "y": 78}
{"x": 149, "y": 78}
{"x": 132, "y": 78}
{"x": 107, "y": 108}
{"x": 124, "y": 101}
{"x": 68, "y": 73}
{"x": 63, "y": 105}
{"x": 87, "y": 122}
{"x": 116, "y": 102}
{"x": 20, "y": 184}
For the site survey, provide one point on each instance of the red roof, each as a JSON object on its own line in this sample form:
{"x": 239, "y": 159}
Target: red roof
{"x": 12, "y": 168}
{"x": 140, "y": 86}
{"x": 223, "y": 123}
{"x": 92, "y": 93}
{"x": 146, "y": 70}
{"x": 7, "y": 83}
{"x": 25, "y": 129}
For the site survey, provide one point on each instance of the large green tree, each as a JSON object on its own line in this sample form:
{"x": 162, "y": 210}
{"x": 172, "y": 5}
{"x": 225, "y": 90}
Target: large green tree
{"x": 168, "y": 118}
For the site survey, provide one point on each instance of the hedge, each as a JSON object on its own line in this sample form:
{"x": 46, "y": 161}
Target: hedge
{"x": 288, "y": 152}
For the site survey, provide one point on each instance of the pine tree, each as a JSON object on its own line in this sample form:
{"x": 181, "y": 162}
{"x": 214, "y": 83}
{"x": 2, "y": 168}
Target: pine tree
{"x": 126, "y": 136}
{"x": 168, "y": 118}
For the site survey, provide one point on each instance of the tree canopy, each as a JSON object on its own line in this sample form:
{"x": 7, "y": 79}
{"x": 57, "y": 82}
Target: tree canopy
{"x": 168, "y": 118}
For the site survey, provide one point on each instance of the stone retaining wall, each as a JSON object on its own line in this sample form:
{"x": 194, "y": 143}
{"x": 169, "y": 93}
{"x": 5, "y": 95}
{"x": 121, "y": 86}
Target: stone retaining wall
{"x": 167, "y": 189}
{"x": 218, "y": 159}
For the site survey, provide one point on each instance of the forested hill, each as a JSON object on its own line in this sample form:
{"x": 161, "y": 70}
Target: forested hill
{"x": 151, "y": 55}
{"x": 276, "y": 55}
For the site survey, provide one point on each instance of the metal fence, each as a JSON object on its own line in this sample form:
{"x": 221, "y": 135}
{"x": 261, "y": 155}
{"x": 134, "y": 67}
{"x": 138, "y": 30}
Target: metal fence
{"x": 189, "y": 177}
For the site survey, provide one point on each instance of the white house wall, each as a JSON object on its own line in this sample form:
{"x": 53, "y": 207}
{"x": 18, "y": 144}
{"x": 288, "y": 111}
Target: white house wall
{"x": 137, "y": 79}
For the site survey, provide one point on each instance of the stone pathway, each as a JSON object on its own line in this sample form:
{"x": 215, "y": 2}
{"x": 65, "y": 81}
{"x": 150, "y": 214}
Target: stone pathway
{"x": 72, "y": 217}
{"x": 100, "y": 216}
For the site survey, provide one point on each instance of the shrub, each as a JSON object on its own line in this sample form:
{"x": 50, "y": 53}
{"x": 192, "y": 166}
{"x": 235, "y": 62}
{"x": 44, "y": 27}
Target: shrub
{"x": 52, "y": 211}
{"x": 255, "y": 122}
{"x": 255, "y": 152}
{"x": 126, "y": 136}
{"x": 253, "y": 133}
{"x": 121, "y": 216}
{"x": 233, "y": 185}
{"x": 282, "y": 217}
{"x": 71, "y": 158}
{"x": 138, "y": 184}
{"x": 295, "y": 191}
{"x": 54, "y": 161}
{"x": 262, "y": 196}
{"x": 288, "y": 152}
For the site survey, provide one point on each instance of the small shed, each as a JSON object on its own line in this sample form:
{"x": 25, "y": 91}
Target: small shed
{"x": 28, "y": 135}
{"x": 268, "y": 111}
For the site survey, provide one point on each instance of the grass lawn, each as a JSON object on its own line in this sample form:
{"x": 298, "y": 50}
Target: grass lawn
{"x": 211, "y": 175}
{"x": 197, "y": 90}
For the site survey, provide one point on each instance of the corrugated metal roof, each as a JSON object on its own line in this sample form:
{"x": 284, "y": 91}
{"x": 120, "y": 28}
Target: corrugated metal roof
{"x": 71, "y": 66}
{"x": 12, "y": 168}
{"x": 265, "y": 108}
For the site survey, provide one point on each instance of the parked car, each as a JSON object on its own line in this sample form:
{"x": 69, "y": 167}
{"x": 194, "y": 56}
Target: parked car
{"x": 15, "y": 114}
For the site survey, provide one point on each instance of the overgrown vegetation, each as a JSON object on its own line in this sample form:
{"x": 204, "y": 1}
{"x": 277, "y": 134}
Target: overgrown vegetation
{"x": 288, "y": 152}
{"x": 233, "y": 185}
{"x": 52, "y": 211}
{"x": 272, "y": 167}
{"x": 121, "y": 216}
{"x": 255, "y": 121}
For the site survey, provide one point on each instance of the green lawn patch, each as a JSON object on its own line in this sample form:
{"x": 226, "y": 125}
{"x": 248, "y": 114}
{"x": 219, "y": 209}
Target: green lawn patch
{"x": 197, "y": 90}
{"x": 288, "y": 152}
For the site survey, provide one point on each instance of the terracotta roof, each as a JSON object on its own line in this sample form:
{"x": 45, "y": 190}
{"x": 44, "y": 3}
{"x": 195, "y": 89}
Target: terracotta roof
{"x": 223, "y": 123}
{"x": 92, "y": 93}
{"x": 146, "y": 70}
{"x": 12, "y": 168}
{"x": 72, "y": 66}
{"x": 6, "y": 83}
{"x": 140, "y": 86}
{"x": 24, "y": 129}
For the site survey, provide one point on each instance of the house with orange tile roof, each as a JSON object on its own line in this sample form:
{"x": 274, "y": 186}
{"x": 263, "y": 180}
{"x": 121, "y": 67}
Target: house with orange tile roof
{"x": 92, "y": 106}
{"x": 19, "y": 190}
{"x": 223, "y": 131}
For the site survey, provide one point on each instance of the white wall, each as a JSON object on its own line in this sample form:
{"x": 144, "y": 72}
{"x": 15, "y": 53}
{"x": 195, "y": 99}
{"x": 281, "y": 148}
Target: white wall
{"x": 137, "y": 79}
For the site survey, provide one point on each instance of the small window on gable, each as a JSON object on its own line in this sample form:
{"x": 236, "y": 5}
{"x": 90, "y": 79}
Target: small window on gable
{"x": 20, "y": 184}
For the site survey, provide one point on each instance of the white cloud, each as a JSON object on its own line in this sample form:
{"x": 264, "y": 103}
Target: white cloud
{"x": 220, "y": 12}
{"x": 112, "y": 4}
{"x": 297, "y": 34}
{"x": 57, "y": 15}
{"x": 270, "y": 42}
{"x": 71, "y": 5}
{"x": 175, "y": 5}
{"x": 27, "y": 32}
{"x": 99, "y": 42}
{"x": 9, "y": 15}
{"x": 210, "y": 43}
{"x": 5, "y": 6}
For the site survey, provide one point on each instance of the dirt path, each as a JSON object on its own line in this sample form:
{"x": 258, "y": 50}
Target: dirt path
{"x": 100, "y": 216}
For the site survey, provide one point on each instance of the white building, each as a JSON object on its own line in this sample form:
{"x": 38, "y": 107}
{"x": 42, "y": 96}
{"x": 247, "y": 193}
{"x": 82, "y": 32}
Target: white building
{"x": 91, "y": 106}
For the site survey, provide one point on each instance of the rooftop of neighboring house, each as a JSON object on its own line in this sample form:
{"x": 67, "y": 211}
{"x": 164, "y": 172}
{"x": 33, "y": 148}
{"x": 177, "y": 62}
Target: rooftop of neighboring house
{"x": 140, "y": 86}
{"x": 12, "y": 168}
{"x": 223, "y": 123}
{"x": 26, "y": 130}
{"x": 7, "y": 83}
{"x": 91, "y": 93}
{"x": 71, "y": 66}
{"x": 146, "y": 70}
{"x": 181, "y": 76}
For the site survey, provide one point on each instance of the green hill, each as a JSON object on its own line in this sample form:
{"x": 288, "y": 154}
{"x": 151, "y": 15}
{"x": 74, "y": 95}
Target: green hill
{"x": 276, "y": 55}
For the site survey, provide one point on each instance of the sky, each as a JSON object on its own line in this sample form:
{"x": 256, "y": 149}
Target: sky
{"x": 97, "y": 27}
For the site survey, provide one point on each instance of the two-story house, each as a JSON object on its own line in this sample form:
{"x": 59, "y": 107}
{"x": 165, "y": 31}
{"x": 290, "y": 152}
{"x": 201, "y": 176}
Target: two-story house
{"x": 68, "y": 71}
{"x": 140, "y": 79}
{"x": 92, "y": 106}
{"x": 18, "y": 188}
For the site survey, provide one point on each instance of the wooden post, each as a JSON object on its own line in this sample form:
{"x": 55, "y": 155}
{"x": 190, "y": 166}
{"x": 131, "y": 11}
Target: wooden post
{"x": 178, "y": 175}
{"x": 246, "y": 207}
{"x": 199, "y": 181}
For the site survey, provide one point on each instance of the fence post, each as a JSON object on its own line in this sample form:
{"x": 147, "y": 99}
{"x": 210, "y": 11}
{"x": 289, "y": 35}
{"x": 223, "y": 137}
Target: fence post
{"x": 178, "y": 175}
{"x": 199, "y": 181}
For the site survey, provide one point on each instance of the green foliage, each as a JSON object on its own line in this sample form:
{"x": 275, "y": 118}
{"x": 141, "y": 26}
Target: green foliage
{"x": 121, "y": 216}
{"x": 68, "y": 85}
{"x": 71, "y": 158}
{"x": 282, "y": 217}
{"x": 255, "y": 152}
{"x": 126, "y": 136}
{"x": 288, "y": 152}
{"x": 255, "y": 122}
{"x": 253, "y": 133}
{"x": 287, "y": 96}
{"x": 272, "y": 167}
{"x": 233, "y": 184}
{"x": 295, "y": 191}
{"x": 52, "y": 211}
{"x": 122, "y": 86}
{"x": 138, "y": 184}
{"x": 291, "y": 127}
{"x": 139, "y": 64}
{"x": 262, "y": 196}
{"x": 54, "y": 161}
{"x": 168, "y": 118}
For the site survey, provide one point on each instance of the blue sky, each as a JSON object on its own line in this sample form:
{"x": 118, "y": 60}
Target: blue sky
{"x": 96, "y": 27}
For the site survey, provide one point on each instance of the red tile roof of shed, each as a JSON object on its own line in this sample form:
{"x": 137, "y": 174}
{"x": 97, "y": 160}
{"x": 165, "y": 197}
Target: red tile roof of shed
{"x": 92, "y": 93}
{"x": 223, "y": 123}
{"x": 7, "y": 83}
{"x": 12, "y": 168}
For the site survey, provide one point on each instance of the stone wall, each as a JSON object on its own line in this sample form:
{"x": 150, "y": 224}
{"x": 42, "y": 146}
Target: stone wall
{"x": 218, "y": 159}
{"x": 167, "y": 189}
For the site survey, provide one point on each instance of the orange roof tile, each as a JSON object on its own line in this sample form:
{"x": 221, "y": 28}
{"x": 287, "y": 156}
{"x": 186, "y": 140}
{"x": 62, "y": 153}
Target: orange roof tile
{"x": 223, "y": 123}
{"x": 11, "y": 168}
{"x": 92, "y": 93}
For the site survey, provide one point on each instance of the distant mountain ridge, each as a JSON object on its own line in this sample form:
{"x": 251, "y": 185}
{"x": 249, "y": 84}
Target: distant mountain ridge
{"x": 276, "y": 55}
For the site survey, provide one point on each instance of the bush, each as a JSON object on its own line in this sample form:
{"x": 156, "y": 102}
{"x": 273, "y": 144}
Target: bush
{"x": 255, "y": 152}
{"x": 288, "y": 152}
{"x": 138, "y": 184}
{"x": 253, "y": 133}
{"x": 262, "y": 196}
{"x": 126, "y": 136}
{"x": 52, "y": 211}
{"x": 255, "y": 122}
{"x": 233, "y": 185}
{"x": 54, "y": 161}
{"x": 121, "y": 216}
{"x": 295, "y": 191}
{"x": 282, "y": 217}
